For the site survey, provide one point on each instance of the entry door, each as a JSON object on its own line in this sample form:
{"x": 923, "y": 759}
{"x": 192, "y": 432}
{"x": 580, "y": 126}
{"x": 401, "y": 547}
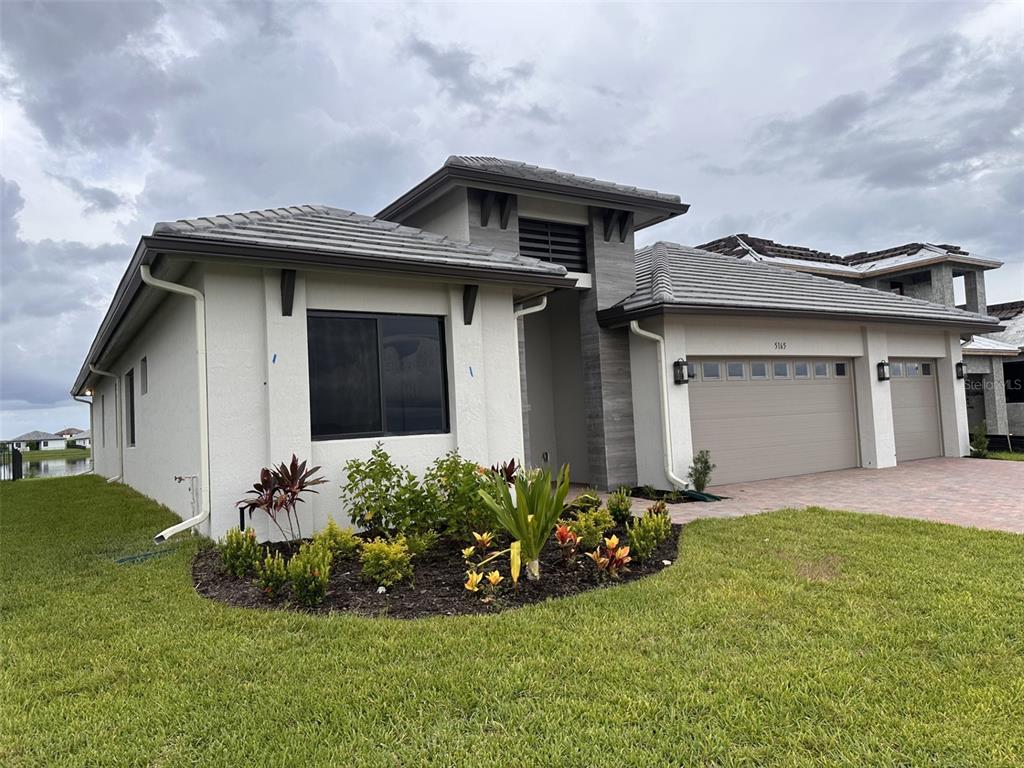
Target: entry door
{"x": 773, "y": 418}
{"x": 915, "y": 409}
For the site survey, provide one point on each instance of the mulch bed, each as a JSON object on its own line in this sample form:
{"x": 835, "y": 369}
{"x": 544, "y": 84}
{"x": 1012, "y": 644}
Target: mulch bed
{"x": 437, "y": 585}
{"x": 653, "y": 494}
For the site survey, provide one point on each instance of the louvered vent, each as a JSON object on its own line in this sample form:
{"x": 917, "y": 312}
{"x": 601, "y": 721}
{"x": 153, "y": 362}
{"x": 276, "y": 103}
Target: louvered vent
{"x": 564, "y": 244}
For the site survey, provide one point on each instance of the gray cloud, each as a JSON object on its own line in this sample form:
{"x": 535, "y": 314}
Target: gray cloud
{"x": 52, "y": 299}
{"x": 96, "y": 198}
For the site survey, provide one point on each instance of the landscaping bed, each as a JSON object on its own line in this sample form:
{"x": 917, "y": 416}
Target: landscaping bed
{"x": 436, "y": 588}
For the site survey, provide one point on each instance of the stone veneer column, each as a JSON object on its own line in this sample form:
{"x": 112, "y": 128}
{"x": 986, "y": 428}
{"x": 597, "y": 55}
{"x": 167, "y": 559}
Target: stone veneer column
{"x": 607, "y": 388}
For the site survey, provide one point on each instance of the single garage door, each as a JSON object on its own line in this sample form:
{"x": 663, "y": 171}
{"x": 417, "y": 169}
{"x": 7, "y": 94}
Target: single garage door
{"x": 915, "y": 409}
{"x": 773, "y": 418}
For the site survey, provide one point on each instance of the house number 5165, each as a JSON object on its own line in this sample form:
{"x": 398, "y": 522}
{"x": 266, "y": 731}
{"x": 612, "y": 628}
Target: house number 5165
{"x": 780, "y": 345}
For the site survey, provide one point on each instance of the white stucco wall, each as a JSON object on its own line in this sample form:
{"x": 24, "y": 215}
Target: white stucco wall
{"x": 702, "y": 336}
{"x": 259, "y": 384}
{"x": 166, "y": 417}
{"x": 448, "y": 215}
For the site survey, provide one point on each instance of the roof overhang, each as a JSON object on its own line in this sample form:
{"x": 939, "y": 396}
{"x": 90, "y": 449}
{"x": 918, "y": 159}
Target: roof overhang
{"x": 613, "y": 317}
{"x": 647, "y": 211}
{"x": 177, "y": 254}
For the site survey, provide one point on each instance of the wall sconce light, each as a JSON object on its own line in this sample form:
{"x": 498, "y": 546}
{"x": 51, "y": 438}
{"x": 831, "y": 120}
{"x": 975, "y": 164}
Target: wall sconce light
{"x": 88, "y": 392}
{"x": 960, "y": 370}
{"x": 680, "y": 372}
{"x": 883, "y": 370}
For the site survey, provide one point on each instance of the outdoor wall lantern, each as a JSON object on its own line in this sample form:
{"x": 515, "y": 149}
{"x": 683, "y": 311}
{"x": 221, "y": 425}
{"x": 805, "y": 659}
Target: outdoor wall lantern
{"x": 960, "y": 370}
{"x": 680, "y": 372}
{"x": 883, "y": 370}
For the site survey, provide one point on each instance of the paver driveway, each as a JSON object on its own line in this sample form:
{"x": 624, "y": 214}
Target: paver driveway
{"x": 970, "y": 492}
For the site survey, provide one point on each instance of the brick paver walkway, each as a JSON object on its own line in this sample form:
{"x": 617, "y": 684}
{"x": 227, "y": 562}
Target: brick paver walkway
{"x": 969, "y": 492}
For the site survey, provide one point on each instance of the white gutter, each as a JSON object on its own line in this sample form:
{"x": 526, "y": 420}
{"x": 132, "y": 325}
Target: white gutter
{"x": 204, "y": 422}
{"x": 530, "y": 310}
{"x": 117, "y": 421}
{"x": 89, "y": 403}
{"x": 666, "y": 427}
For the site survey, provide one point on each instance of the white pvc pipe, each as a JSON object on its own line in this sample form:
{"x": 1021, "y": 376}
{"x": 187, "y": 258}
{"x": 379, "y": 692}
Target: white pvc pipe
{"x": 530, "y": 310}
{"x": 666, "y": 426}
{"x": 117, "y": 422}
{"x": 204, "y": 422}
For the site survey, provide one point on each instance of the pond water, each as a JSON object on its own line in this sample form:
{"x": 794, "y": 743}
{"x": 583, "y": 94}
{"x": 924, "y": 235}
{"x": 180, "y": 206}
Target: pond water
{"x": 48, "y": 468}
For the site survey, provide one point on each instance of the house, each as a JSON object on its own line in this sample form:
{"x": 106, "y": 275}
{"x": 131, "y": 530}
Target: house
{"x": 80, "y": 439}
{"x": 500, "y": 309}
{"x": 39, "y": 441}
{"x": 994, "y": 378}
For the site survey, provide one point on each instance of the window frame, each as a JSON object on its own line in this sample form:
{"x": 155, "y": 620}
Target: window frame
{"x": 143, "y": 376}
{"x": 835, "y": 369}
{"x": 703, "y": 373}
{"x": 742, "y": 374}
{"x": 926, "y": 368}
{"x": 376, "y": 316}
{"x": 129, "y": 407}
{"x": 787, "y": 375}
{"x": 805, "y": 376}
{"x": 814, "y": 368}
{"x": 896, "y": 369}
{"x": 767, "y": 370}
{"x": 912, "y": 365}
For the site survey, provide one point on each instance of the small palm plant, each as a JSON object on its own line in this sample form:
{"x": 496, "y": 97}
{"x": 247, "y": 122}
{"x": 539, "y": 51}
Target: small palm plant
{"x": 532, "y": 516}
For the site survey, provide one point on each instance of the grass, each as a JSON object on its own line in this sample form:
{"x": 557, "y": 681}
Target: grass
{"x": 1006, "y": 455}
{"x": 796, "y": 638}
{"x": 65, "y": 453}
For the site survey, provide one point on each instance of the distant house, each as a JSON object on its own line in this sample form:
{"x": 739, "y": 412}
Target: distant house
{"x": 39, "y": 441}
{"x": 68, "y": 432}
{"x": 81, "y": 439}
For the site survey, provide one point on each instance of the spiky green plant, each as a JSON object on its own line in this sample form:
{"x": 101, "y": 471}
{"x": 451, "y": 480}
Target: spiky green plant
{"x": 531, "y": 516}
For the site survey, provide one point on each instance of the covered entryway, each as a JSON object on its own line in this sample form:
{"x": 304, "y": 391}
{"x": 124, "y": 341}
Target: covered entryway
{"x": 773, "y": 417}
{"x": 915, "y": 409}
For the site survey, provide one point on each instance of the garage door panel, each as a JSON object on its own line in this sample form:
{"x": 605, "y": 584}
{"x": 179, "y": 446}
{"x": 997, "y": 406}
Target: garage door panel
{"x": 915, "y": 416}
{"x": 757, "y": 429}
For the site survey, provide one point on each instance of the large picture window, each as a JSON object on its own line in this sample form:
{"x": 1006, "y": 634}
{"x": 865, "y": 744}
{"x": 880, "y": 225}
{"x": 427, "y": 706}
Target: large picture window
{"x": 375, "y": 375}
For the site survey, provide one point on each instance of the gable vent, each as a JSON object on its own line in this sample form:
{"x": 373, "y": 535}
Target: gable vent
{"x": 564, "y": 244}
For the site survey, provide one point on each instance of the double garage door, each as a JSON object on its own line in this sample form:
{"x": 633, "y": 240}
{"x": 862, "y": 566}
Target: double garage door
{"x": 779, "y": 417}
{"x": 773, "y": 418}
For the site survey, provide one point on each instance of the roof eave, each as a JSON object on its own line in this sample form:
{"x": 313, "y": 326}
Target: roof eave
{"x": 450, "y": 176}
{"x": 617, "y": 316}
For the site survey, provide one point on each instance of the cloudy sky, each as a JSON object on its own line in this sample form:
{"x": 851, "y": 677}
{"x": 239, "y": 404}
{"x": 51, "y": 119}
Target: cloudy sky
{"x": 842, "y": 127}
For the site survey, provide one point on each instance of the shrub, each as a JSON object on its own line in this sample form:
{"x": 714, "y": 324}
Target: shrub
{"x": 279, "y": 490}
{"x": 567, "y": 541}
{"x": 420, "y": 543}
{"x": 272, "y": 574}
{"x": 531, "y": 518}
{"x": 591, "y": 526}
{"x": 452, "y": 483}
{"x": 386, "y": 563}
{"x": 647, "y": 532}
{"x": 507, "y": 470}
{"x": 341, "y": 542}
{"x": 611, "y": 559}
{"x": 386, "y": 498}
{"x": 239, "y": 552}
{"x": 700, "y": 470}
{"x": 308, "y": 572}
{"x": 585, "y": 502}
{"x": 979, "y": 441}
{"x": 620, "y": 505}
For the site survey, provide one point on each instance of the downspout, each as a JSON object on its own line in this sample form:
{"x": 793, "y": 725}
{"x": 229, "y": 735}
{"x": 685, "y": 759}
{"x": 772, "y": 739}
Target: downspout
{"x": 666, "y": 427}
{"x": 117, "y": 421}
{"x": 522, "y": 312}
{"x": 204, "y": 422}
{"x": 89, "y": 403}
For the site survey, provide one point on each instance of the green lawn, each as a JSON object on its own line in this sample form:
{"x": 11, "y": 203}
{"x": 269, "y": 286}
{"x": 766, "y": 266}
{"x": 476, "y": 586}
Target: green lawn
{"x": 1006, "y": 455}
{"x": 66, "y": 453}
{"x": 795, "y": 638}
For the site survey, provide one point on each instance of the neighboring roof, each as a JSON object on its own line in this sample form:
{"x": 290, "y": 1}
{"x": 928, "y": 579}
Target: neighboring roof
{"x": 85, "y": 434}
{"x": 1006, "y": 310}
{"x": 35, "y": 435}
{"x": 860, "y": 264}
{"x": 69, "y": 431}
{"x": 675, "y": 278}
{"x": 495, "y": 170}
{"x": 344, "y": 237}
{"x": 986, "y": 345}
{"x": 318, "y": 236}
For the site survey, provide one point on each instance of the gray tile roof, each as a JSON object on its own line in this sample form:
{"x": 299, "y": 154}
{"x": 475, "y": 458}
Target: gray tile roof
{"x": 684, "y": 279}
{"x": 35, "y": 435}
{"x": 334, "y": 231}
{"x": 515, "y": 169}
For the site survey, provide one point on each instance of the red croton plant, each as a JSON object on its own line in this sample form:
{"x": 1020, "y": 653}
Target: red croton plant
{"x": 280, "y": 490}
